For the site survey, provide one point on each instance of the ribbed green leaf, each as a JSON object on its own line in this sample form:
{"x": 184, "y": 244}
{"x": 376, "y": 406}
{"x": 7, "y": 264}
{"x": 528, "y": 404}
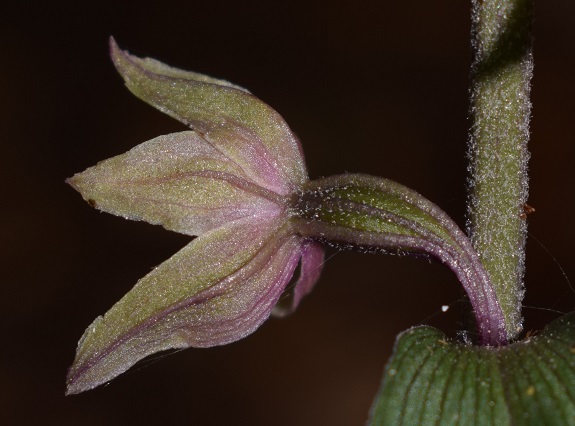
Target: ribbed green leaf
{"x": 432, "y": 381}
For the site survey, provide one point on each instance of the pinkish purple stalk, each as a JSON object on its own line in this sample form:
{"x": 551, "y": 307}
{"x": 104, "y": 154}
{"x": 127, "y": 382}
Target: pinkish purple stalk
{"x": 444, "y": 241}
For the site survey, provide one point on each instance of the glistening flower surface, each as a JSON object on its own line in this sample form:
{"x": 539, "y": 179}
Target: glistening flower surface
{"x": 230, "y": 182}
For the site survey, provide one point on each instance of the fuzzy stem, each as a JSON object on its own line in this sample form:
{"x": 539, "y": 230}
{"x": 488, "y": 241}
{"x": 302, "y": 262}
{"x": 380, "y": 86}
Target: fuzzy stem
{"x": 500, "y": 110}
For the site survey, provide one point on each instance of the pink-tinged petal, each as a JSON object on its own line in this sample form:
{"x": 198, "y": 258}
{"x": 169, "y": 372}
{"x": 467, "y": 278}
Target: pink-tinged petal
{"x": 310, "y": 266}
{"x": 216, "y": 290}
{"x": 179, "y": 181}
{"x": 269, "y": 153}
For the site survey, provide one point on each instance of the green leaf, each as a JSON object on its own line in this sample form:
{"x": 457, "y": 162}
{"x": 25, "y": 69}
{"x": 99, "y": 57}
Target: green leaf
{"x": 432, "y": 381}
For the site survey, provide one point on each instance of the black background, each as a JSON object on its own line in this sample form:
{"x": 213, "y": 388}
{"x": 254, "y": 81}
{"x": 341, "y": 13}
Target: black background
{"x": 373, "y": 87}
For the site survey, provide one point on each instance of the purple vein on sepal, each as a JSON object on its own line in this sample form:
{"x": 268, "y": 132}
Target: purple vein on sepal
{"x": 118, "y": 55}
{"x": 238, "y": 182}
{"x": 263, "y": 257}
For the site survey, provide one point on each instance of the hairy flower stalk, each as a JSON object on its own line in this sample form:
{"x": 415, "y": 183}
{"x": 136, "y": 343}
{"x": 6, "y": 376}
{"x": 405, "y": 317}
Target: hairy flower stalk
{"x": 238, "y": 183}
{"x": 377, "y": 213}
{"x": 500, "y": 110}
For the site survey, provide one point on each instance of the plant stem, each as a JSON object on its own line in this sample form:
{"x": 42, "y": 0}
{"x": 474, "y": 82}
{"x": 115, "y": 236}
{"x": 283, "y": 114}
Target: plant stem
{"x": 500, "y": 111}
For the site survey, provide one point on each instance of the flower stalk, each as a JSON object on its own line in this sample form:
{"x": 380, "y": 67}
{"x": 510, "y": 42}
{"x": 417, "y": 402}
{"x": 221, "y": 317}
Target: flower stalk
{"x": 378, "y": 214}
{"x": 500, "y": 111}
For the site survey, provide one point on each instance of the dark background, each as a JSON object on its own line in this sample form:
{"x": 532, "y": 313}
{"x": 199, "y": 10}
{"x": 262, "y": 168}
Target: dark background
{"x": 374, "y": 87}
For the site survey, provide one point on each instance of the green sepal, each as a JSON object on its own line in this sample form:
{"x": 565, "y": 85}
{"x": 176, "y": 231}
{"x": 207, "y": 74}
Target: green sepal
{"x": 430, "y": 380}
{"x": 220, "y": 112}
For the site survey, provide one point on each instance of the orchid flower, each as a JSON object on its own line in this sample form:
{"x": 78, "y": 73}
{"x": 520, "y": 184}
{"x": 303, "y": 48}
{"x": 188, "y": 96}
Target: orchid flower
{"x": 238, "y": 183}
{"x": 229, "y": 183}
